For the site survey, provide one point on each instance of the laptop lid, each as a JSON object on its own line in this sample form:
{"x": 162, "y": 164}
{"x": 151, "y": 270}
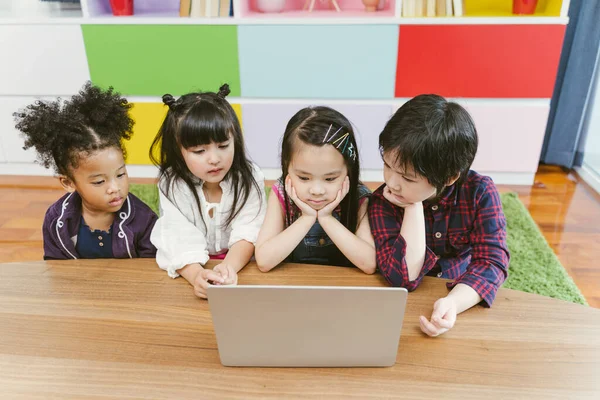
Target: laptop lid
{"x": 307, "y": 326}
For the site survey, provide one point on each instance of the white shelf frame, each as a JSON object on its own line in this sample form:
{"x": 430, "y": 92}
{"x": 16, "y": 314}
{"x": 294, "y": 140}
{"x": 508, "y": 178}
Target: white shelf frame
{"x": 289, "y": 21}
{"x": 563, "y": 19}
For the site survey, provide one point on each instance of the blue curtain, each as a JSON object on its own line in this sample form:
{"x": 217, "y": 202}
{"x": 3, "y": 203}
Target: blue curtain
{"x": 574, "y": 83}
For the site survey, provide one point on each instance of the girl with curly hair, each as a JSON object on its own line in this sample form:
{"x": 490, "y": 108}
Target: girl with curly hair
{"x": 81, "y": 139}
{"x": 212, "y": 200}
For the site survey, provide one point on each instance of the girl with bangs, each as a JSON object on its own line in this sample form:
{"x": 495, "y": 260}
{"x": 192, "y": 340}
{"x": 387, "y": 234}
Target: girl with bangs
{"x": 212, "y": 201}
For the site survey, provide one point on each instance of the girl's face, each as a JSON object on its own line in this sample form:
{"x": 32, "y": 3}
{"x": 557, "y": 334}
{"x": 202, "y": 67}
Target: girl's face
{"x": 317, "y": 173}
{"x": 101, "y": 180}
{"x": 210, "y": 162}
{"x": 405, "y": 185}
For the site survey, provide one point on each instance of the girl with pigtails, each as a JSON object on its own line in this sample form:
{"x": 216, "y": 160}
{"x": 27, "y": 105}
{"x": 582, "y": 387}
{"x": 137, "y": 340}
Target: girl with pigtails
{"x": 212, "y": 200}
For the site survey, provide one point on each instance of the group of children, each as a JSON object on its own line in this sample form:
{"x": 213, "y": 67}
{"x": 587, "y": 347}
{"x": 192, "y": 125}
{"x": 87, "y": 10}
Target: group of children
{"x": 432, "y": 216}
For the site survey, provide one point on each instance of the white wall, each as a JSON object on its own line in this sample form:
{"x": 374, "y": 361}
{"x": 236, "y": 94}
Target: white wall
{"x": 592, "y": 144}
{"x": 590, "y": 170}
{"x": 37, "y": 8}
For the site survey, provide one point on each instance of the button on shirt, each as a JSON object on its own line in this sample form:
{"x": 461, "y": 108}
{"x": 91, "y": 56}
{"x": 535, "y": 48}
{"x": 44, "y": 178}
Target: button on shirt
{"x": 184, "y": 234}
{"x": 465, "y": 226}
{"x": 93, "y": 244}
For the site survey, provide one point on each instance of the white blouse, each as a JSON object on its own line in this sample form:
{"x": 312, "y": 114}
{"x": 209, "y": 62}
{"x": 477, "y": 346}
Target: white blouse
{"x": 182, "y": 237}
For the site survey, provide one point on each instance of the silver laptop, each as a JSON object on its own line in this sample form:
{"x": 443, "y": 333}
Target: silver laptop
{"x": 307, "y": 326}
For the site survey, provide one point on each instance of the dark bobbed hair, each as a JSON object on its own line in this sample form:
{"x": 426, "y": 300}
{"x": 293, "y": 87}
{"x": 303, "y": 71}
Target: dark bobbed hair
{"x": 309, "y": 126}
{"x": 435, "y": 137}
{"x": 197, "y": 119}
{"x": 64, "y": 131}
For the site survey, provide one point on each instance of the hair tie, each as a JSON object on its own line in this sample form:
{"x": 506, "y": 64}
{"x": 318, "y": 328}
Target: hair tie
{"x": 223, "y": 91}
{"x": 169, "y": 100}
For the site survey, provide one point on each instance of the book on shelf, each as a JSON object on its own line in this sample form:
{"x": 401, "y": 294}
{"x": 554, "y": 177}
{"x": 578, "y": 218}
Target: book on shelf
{"x": 210, "y": 8}
{"x": 449, "y": 11}
{"x": 419, "y": 8}
{"x": 440, "y": 8}
{"x": 427, "y": 8}
{"x": 458, "y": 7}
{"x": 430, "y": 8}
{"x": 225, "y": 8}
{"x": 184, "y": 8}
{"x": 198, "y": 8}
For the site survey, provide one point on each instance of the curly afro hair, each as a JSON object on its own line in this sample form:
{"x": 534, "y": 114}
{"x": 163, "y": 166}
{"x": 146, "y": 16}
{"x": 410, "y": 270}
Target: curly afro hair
{"x": 64, "y": 131}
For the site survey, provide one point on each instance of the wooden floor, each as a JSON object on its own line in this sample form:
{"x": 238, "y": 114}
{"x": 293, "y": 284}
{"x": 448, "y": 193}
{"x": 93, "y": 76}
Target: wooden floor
{"x": 566, "y": 209}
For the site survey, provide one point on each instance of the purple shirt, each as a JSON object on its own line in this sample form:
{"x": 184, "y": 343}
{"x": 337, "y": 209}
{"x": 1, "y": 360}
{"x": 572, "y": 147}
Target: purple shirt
{"x": 465, "y": 234}
{"x": 130, "y": 230}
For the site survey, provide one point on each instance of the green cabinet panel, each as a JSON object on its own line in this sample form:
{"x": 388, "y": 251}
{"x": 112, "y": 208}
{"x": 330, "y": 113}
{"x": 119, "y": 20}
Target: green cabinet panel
{"x": 151, "y": 60}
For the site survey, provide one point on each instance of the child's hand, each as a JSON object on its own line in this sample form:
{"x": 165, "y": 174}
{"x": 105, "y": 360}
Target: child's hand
{"x": 328, "y": 209}
{"x": 443, "y": 317}
{"x": 392, "y": 199}
{"x": 228, "y": 274}
{"x": 202, "y": 280}
{"x": 305, "y": 208}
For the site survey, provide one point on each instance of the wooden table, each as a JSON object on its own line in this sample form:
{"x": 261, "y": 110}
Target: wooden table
{"x": 123, "y": 329}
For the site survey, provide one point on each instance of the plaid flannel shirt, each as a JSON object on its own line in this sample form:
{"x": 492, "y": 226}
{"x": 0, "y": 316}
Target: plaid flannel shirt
{"x": 465, "y": 233}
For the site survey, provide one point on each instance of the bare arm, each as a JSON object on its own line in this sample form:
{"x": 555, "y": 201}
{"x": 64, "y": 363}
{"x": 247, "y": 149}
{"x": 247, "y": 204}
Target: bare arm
{"x": 239, "y": 254}
{"x": 413, "y": 232}
{"x": 190, "y": 271}
{"x": 359, "y": 248}
{"x": 237, "y": 257}
{"x": 275, "y": 242}
{"x": 464, "y": 297}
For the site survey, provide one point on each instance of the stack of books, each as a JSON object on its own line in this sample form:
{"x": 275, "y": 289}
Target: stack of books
{"x": 205, "y": 8}
{"x": 432, "y": 8}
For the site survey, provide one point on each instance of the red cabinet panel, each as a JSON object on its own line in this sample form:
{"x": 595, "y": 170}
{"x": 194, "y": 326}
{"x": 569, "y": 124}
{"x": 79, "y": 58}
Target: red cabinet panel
{"x": 510, "y": 61}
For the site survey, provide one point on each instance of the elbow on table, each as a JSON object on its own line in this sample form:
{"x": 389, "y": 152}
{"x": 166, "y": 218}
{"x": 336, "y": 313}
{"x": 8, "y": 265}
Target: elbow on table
{"x": 368, "y": 268}
{"x": 398, "y": 281}
{"x": 262, "y": 262}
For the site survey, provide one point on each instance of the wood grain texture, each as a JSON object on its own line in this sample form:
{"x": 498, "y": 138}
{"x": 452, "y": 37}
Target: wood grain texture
{"x": 124, "y": 329}
{"x": 566, "y": 210}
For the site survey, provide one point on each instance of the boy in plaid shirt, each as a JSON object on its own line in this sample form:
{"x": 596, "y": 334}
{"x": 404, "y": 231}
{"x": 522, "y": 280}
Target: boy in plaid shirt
{"x": 434, "y": 216}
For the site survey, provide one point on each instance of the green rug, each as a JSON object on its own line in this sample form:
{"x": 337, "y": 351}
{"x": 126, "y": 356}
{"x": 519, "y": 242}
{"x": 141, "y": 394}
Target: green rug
{"x": 533, "y": 266}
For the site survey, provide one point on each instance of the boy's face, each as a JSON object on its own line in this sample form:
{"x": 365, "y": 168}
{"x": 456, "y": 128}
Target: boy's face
{"x": 101, "y": 180}
{"x": 405, "y": 187}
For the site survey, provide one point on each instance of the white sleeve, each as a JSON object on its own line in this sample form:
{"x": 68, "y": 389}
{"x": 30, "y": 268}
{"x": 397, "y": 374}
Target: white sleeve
{"x": 178, "y": 241}
{"x": 247, "y": 223}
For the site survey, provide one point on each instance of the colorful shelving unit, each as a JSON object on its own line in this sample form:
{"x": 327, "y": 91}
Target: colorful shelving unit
{"x": 366, "y": 64}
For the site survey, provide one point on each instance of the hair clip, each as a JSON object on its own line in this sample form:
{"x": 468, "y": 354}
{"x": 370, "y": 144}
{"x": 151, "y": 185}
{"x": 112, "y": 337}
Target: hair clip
{"x": 332, "y": 136}
{"x": 351, "y": 153}
{"x": 342, "y": 140}
{"x": 325, "y": 138}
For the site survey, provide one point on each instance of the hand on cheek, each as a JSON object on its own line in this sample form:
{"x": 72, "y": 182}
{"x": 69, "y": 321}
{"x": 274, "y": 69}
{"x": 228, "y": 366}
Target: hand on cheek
{"x": 328, "y": 209}
{"x": 392, "y": 199}
{"x": 291, "y": 192}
